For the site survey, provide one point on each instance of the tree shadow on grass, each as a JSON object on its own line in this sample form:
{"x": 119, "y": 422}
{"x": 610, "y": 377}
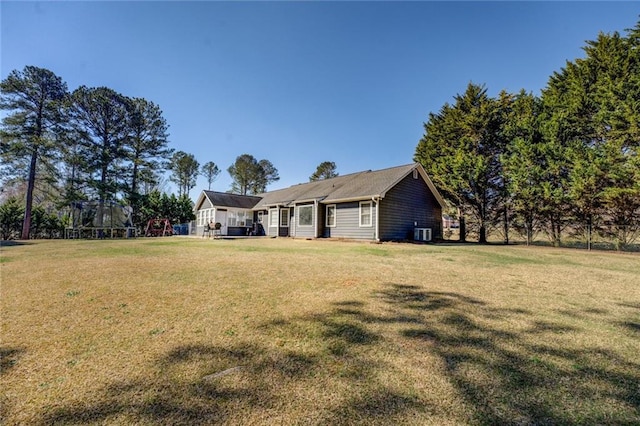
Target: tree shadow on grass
{"x": 534, "y": 374}
{"x": 165, "y": 398}
{"x": 631, "y": 325}
{"x": 312, "y": 369}
{"x": 508, "y": 366}
{"x": 9, "y": 357}
{"x": 13, "y": 243}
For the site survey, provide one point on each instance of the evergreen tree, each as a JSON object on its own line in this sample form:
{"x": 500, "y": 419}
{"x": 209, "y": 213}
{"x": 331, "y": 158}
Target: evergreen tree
{"x": 593, "y": 111}
{"x": 524, "y": 162}
{"x": 11, "y": 217}
{"x": 325, "y": 170}
{"x": 461, "y": 151}
{"x": 184, "y": 171}
{"x": 210, "y": 171}
{"x": 31, "y": 130}
{"x": 100, "y": 120}
{"x": 184, "y": 210}
{"x": 251, "y": 176}
{"x": 146, "y": 148}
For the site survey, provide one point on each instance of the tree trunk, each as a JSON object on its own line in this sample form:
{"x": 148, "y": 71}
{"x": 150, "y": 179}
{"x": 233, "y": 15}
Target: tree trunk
{"x": 555, "y": 229}
{"x": 463, "y": 227}
{"x": 506, "y": 226}
{"x": 26, "y": 224}
{"x": 529, "y": 226}
{"x": 482, "y": 237}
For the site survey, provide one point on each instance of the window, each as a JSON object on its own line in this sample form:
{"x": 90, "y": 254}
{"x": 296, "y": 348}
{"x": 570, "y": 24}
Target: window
{"x": 305, "y": 215}
{"x": 239, "y": 218}
{"x": 273, "y": 218}
{"x": 232, "y": 218}
{"x": 366, "y": 208}
{"x": 205, "y": 216}
{"x": 260, "y": 217}
{"x": 331, "y": 215}
{"x": 415, "y": 173}
{"x": 284, "y": 218}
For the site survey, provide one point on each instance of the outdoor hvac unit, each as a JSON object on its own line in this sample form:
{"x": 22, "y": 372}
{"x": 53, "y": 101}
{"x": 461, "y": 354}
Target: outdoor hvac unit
{"x": 422, "y": 234}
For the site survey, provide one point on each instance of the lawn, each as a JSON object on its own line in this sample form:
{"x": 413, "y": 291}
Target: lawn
{"x": 280, "y": 331}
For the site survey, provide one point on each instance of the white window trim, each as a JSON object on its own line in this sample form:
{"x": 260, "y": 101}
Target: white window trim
{"x": 310, "y": 225}
{"x": 282, "y": 216}
{"x": 206, "y": 215}
{"x": 360, "y": 211}
{"x": 335, "y": 214}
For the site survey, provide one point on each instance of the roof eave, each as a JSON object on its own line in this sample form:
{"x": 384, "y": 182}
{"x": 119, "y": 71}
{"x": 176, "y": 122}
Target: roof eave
{"x": 350, "y": 199}
{"x": 431, "y": 186}
{"x": 200, "y": 200}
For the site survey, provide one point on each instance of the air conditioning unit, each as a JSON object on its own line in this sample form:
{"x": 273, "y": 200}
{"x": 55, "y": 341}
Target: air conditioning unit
{"x": 422, "y": 234}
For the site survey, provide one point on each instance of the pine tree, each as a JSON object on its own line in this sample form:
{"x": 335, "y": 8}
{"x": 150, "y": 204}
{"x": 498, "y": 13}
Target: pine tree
{"x": 325, "y": 170}
{"x": 32, "y": 128}
{"x": 100, "y": 120}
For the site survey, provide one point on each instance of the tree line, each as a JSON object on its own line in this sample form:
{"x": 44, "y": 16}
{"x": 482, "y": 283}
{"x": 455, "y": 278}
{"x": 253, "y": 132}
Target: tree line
{"x": 58, "y": 146}
{"x": 91, "y": 143}
{"x": 567, "y": 158}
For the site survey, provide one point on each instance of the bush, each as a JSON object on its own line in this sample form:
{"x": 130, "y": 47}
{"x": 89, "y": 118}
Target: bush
{"x": 11, "y": 217}
{"x": 43, "y": 224}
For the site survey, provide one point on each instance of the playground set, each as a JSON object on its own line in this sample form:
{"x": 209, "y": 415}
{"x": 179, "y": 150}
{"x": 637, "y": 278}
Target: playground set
{"x": 107, "y": 219}
{"x": 99, "y": 219}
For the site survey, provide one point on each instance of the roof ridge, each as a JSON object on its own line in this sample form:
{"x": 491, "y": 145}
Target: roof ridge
{"x": 347, "y": 175}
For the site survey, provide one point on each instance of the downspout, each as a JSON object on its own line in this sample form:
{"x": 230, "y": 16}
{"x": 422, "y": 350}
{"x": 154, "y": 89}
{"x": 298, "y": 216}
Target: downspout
{"x": 315, "y": 217}
{"x": 377, "y": 201}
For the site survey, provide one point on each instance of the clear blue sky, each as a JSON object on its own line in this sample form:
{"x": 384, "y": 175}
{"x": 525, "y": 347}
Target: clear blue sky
{"x": 299, "y": 83}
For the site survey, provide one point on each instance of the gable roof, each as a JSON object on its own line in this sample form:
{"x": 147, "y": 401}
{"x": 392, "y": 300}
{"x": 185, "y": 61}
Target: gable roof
{"x": 356, "y": 186}
{"x": 225, "y": 199}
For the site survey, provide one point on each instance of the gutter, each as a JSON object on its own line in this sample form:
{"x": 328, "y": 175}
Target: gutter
{"x": 346, "y": 200}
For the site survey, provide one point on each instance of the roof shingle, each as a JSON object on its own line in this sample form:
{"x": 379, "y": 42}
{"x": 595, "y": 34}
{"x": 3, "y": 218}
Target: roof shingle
{"x": 353, "y": 186}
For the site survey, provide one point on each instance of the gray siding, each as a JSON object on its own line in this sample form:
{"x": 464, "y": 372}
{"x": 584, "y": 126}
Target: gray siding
{"x": 408, "y": 203}
{"x": 348, "y": 223}
{"x": 303, "y": 231}
{"x": 279, "y": 231}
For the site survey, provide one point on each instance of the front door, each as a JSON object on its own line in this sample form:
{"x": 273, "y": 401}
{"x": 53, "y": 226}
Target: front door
{"x": 221, "y": 216}
{"x": 284, "y": 223}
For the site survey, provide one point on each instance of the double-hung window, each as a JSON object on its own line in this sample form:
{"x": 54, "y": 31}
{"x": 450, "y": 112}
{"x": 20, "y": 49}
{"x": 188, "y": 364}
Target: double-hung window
{"x": 331, "y": 215}
{"x": 366, "y": 213}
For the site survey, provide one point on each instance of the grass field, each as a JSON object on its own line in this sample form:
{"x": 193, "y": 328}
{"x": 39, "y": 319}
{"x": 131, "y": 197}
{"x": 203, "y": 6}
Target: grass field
{"x": 189, "y": 331}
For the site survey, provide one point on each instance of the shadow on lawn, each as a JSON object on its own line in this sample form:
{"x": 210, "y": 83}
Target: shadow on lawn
{"x": 327, "y": 368}
{"x": 13, "y": 243}
{"x": 535, "y": 375}
{"x": 9, "y": 357}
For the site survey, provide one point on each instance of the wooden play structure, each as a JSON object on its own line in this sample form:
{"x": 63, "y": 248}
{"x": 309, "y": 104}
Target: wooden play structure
{"x": 158, "y": 228}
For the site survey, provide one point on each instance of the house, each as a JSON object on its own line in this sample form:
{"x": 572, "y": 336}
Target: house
{"x": 234, "y": 212}
{"x": 397, "y": 203}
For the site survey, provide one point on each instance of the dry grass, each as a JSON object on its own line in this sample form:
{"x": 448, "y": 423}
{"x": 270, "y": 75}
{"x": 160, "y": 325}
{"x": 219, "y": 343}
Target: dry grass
{"x": 184, "y": 331}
